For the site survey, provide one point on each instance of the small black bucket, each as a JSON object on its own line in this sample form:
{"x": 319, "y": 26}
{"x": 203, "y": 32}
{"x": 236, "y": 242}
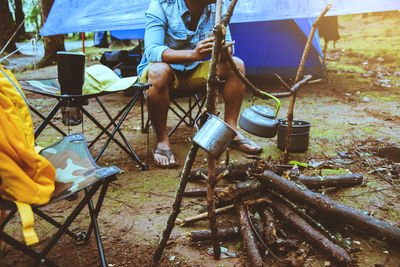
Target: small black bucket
{"x": 299, "y": 137}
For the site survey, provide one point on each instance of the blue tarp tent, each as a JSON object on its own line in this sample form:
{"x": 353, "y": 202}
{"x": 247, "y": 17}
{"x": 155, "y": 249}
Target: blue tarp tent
{"x": 270, "y": 34}
{"x": 267, "y": 46}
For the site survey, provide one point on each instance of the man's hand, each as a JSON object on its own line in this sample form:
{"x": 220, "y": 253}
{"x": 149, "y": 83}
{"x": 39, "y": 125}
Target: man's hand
{"x": 203, "y": 49}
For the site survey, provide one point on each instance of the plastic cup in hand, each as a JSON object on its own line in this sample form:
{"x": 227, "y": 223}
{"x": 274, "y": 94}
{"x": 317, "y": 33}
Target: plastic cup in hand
{"x": 209, "y": 34}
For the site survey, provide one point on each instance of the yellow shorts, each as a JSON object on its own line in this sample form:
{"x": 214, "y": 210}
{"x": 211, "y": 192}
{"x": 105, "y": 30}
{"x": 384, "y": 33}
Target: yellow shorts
{"x": 191, "y": 80}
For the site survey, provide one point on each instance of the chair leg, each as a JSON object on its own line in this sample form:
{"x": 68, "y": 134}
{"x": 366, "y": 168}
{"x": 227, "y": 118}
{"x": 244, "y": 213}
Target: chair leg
{"x": 93, "y": 218}
{"x": 56, "y": 224}
{"x": 26, "y": 250}
{"x": 98, "y": 207}
{"x": 66, "y": 224}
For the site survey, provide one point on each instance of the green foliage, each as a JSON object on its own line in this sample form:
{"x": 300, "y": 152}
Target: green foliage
{"x": 32, "y": 15}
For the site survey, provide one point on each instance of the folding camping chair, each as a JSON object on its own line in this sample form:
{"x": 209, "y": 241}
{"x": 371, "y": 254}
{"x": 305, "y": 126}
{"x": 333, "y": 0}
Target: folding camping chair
{"x": 51, "y": 88}
{"x": 75, "y": 171}
{"x": 127, "y": 61}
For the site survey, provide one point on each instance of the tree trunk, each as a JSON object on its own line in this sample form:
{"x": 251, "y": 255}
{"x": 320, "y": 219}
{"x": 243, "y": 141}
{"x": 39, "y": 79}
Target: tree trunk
{"x": 52, "y": 44}
{"x": 19, "y": 19}
{"x": 7, "y": 27}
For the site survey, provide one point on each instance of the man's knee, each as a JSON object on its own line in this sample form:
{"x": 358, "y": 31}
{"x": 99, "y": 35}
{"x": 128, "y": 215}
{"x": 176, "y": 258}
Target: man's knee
{"x": 227, "y": 70}
{"x": 160, "y": 73}
{"x": 239, "y": 64}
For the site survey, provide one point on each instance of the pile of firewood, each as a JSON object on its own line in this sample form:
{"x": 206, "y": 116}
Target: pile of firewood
{"x": 271, "y": 201}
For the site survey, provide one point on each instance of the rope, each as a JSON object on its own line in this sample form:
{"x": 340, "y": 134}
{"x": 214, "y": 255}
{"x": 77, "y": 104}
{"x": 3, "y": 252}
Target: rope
{"x": 32, "y": 42}
{"x": 12, "y": 36}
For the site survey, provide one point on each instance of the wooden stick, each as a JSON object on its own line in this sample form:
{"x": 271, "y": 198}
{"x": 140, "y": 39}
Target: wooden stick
{"x": 223, "y": 234}
{"x": 236, "y": 171}
{"x": 204, "y": 215}
{"x": 267, "y": 215}
{"x": 313, "y": 222}
{"x": 212, "y": 89}
{"x": 325, "y": 205}
{"x": 281, "y": 95}
{"x": 199, "y": 192}
{"x": 212, "y": 218}
{"x": 283, "y": 82}
{"x": 309, "y": 42}
{"x": 337, "y": 254}
{"x": 332, "y": 181}
{"x": 227, "y": 17}
{"x": 211, "y": 105}
{"x": 239, "y": 189}
{"x": 255, "y": 90}
{"x": 247, "y": 235}
{"x": 184, "y": 179}
{"x": 290, "y": 115}
{"x": 298, "y": 75}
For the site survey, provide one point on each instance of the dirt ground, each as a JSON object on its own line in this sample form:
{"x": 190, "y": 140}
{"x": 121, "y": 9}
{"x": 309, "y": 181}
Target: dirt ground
{"x": 353, "y": 115}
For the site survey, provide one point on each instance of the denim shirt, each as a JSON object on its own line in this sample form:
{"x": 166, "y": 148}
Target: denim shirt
{"x": 167, "y": 26}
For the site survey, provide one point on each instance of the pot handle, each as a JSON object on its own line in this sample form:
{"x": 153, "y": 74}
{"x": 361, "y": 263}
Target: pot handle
{"x": 274, "y": 98}
{"x": 203, "y": 113}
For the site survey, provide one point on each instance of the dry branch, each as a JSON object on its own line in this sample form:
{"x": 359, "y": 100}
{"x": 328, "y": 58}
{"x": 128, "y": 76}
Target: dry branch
{"x": 231, "y": 192}
{"x": 213, "y": 85}
{"x": 298, "y": 75}
{"x": 199, "y": 192}
{"x": 236, "y": 171}
{"x": 293, "y": 90}
{"x": 204, "y": 215}
{"x": 184, "y": 179}
{"x": 337, "y": 254}
{"x": 309, "y": 42}
{"x": 270, "y": 236}
{"x": 247, "y": 236}
{"x": 331, "y": 181}
{"x": 223, "y": 234}
{"x": 332, "y": 208}
{"x": 255, "y": 90}
{"x": 313, "y": 222}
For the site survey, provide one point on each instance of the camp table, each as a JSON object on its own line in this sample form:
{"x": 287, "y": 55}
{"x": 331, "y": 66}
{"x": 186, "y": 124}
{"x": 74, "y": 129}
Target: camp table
{"x": 51, "y": 88}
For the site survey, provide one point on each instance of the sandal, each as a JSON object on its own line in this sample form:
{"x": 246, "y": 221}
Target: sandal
{"x": 239, "y": 145}
{"x": 166, "y": 153}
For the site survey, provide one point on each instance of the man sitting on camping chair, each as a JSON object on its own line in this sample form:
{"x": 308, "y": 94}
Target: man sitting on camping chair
{"x": 175, "y": 49}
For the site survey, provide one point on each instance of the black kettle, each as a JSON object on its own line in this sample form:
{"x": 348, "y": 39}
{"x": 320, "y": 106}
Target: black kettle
{"x": 261, "y": 120}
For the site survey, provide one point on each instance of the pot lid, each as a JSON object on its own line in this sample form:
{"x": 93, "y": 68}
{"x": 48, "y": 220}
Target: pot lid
{"x": 263, "y": 111}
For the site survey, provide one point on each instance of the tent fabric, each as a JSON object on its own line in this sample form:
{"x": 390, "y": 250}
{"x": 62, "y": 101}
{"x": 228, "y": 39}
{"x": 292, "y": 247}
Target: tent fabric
{"x": 69, "y": 16}
{"x": 268, "y": 46}
{"x": 270, "y": 35}
{"x": 276, "y": 46}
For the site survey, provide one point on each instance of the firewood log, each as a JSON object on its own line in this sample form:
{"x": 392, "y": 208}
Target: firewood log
{"x": 222, "y": 234}
{"x": 325, "y": 205}
{"x": 335, "y": 253}
{"x": 248, "y": 236}
{"x": 331, "y": 181}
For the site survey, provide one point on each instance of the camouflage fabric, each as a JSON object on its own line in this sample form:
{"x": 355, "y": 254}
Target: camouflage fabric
{"x": 46, "y": 86}
{"x": 75, "y": 168}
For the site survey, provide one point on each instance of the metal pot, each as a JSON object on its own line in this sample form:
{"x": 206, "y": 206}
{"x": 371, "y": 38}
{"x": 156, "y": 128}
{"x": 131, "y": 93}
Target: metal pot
{"x": 214, "y": 136}
{"x": 260, "y": 120}
{"x": 299, "y": 137}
